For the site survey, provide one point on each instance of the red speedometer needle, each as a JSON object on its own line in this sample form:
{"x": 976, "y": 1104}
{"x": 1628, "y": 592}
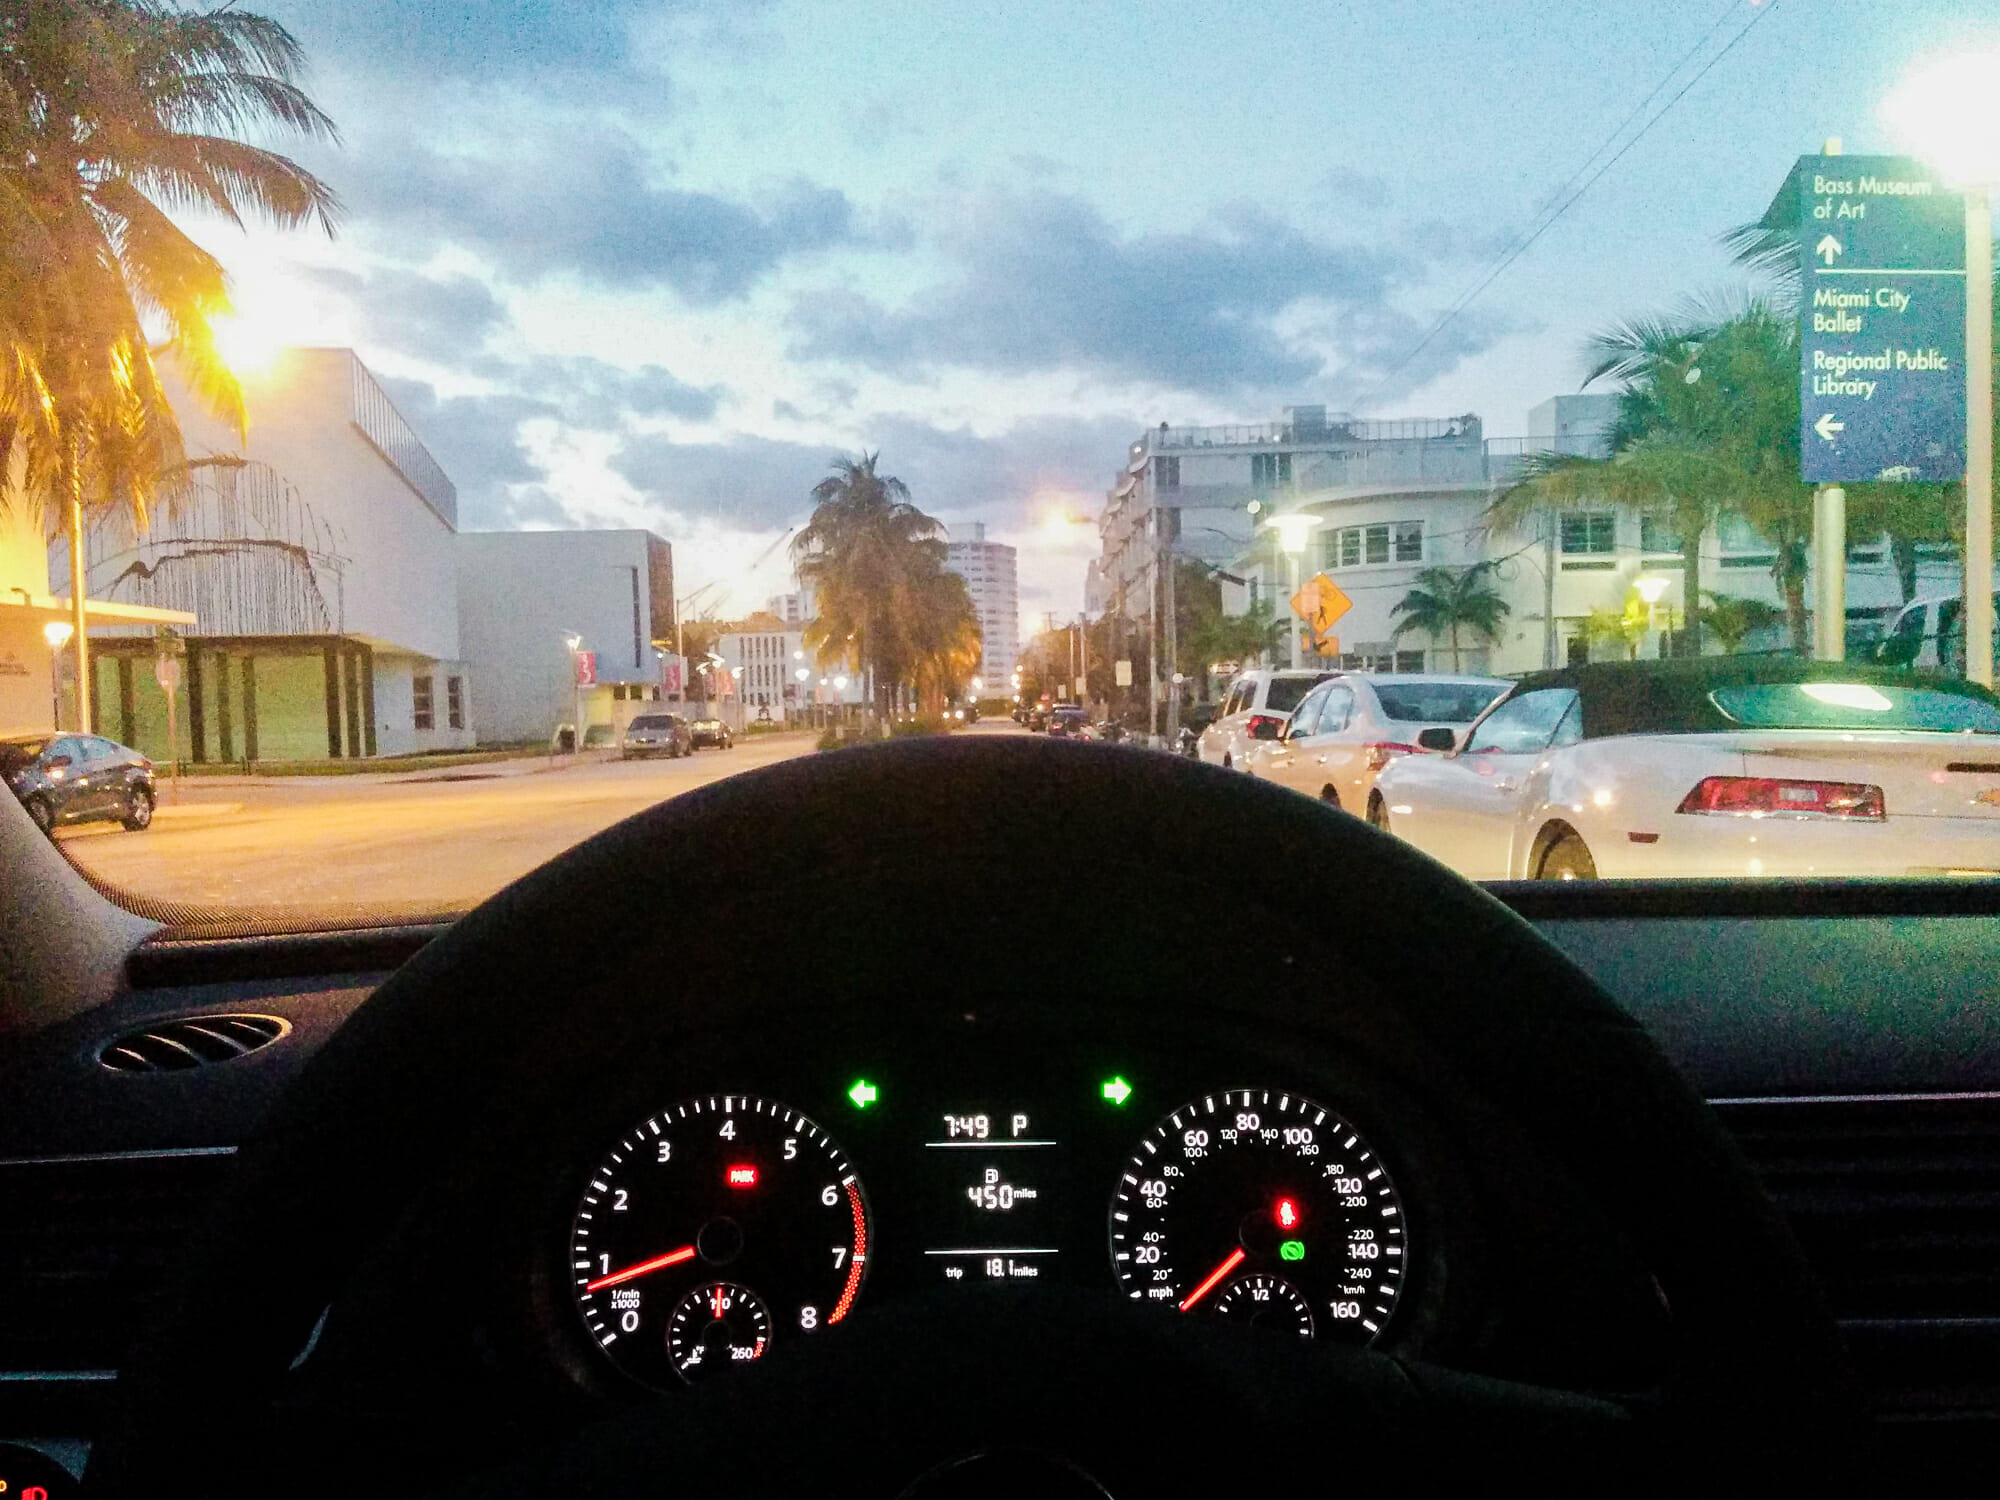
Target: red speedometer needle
{"x": 1235, "y": 1260}
{"x": 658, "y": 1262}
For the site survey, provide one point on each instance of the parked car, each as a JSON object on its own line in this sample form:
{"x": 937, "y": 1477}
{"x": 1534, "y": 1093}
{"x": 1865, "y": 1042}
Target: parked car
{"x": 1348, "y": 728}
{"x": 78, "y": 778}
{"x": 1038, "y": 717}
{"x": 1927, "y": 633}
{"x": 1068, "y": 722}
{"x": 711, "y": 731}
{"x": 1708, "y": 767}
{"x": 1255, "y": 708}
{"x": 657, "y": 734}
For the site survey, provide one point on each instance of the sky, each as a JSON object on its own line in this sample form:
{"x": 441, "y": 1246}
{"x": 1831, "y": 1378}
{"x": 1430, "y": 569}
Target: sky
{"x": 658, "y": 264}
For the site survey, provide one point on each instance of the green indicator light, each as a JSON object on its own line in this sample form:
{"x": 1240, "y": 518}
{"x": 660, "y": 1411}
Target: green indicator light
{"x": 863, "y": 1093}
{"x": 1117, "y": 1090}
{"x": 1292, "y": 1250}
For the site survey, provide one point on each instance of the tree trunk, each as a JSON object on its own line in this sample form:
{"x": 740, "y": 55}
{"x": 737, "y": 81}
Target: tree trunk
{"x": 1691, "y": 593}
{"x": 1903, "y": 551}
{"x": 1454, "y": 646}
{"x": 1790, "y": 575}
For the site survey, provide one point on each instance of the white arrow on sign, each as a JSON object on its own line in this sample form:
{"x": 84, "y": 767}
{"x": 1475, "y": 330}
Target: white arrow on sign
{"x": 1826, "y": 427}
{"x": 1828, "y": 247}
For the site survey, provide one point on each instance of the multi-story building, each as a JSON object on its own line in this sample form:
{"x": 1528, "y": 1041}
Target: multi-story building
{"x": 524, "y": 596}
{"x": 1379, "y": 502}
{"x": 989, "y": 574}
{"x": 772, "y": 674}
{"x": 318, "y": 559}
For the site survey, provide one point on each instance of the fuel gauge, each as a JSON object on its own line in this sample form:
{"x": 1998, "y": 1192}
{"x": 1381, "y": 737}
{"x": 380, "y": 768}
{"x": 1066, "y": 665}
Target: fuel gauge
{"x": 1267, "y": 1302}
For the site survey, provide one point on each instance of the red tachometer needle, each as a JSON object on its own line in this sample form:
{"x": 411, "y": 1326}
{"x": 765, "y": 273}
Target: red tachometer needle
{"x": 658, "y": 1262}
{"x": 1235, "y": 1260}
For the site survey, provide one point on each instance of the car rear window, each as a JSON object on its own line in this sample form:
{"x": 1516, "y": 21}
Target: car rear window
{"x": 1286, "y": 692}
{"x": 1855, "y": 705}
{"x": 1434, "y": 702}
{"x": 653, "y": 721}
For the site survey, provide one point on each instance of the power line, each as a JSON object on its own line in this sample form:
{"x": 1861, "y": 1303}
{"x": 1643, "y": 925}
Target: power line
{"x": 1521, "y": 245}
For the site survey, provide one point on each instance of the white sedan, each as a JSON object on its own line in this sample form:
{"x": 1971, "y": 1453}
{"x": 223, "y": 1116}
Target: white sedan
{"x": 1349, "y": 728}
{"x": 1713, "y": 767}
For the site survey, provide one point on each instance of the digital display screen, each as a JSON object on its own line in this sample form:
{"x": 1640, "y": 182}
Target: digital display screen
{"x": 996, "y": 1172}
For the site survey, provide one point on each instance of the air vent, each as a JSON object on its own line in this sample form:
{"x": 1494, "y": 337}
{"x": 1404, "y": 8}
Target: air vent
{"x": 174, "y": 1046}
{"x": 84, "y": 1242}
{"x": 1896, "y": 1202}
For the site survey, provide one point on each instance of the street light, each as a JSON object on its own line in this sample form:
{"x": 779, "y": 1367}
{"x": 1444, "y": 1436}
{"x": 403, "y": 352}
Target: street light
{"x": 1650, "y": 588}
{"x": 57, "y": 634}
{"x": 1294, "y": 529}
{"x": 1946, "y": 111}
{"x": 575, "y": 643}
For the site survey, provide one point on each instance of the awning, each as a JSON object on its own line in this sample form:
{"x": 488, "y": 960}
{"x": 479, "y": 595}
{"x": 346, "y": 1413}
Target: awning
{"x": 98, "y": 611}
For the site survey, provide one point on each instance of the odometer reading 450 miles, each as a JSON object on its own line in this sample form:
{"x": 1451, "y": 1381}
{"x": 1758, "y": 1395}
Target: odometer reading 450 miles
{"x": 1261, "y": 1205}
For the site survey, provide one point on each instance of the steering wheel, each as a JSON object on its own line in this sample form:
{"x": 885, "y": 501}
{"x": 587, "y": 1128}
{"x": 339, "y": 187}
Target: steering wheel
{"x": 1115, "y": 858}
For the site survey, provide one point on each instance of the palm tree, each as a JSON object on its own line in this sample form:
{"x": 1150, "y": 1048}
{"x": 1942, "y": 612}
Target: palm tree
{"x": 1731, "y": 620}
{"x": 860, "y": 552}
{"x": 944, "y": 633}
{"x": 1624, "y": 628}
{"x": 115, "y": 113}
{"x": 1444, "y": 601}
{"x": 1707, "y": 423}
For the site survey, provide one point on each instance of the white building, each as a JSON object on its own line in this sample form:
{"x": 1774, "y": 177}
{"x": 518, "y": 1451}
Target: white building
{"x": 317, "y": 557}
{"x": 773, "y": 673}
{"x": 989, "y": 574}
{"x": 524, "y": 595}
{"x": 794, "y": 608}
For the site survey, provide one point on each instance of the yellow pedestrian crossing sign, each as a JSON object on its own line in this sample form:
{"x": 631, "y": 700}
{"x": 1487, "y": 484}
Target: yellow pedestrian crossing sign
{"x": 1320, "y": 603}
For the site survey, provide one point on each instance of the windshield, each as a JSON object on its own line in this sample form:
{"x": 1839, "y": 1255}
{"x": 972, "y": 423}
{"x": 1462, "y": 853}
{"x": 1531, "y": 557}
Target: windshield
{"x": 550, "y": 378}
{"x": 1436, "y": 702}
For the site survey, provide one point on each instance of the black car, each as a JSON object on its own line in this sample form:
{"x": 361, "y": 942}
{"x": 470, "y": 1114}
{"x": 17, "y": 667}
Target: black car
{"x": 657, "y": 734}
{"x": 1070, "y": 724}
{"x": 78, "y": 778}
{"x": 711, "y": 732}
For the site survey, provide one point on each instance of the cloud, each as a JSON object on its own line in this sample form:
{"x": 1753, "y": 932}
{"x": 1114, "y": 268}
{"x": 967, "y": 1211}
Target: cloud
{"x": 442, "y": 319}
{"x": 748, "y": 483}
{"x": 477, "y": 440}
{"x": 1041, "y": 281}
{"x": 586, "y": 203}
{"x": 486, "y": 39}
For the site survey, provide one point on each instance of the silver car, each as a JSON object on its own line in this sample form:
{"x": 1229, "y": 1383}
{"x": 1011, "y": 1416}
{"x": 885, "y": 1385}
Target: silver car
{"x": 1348, "y": 728}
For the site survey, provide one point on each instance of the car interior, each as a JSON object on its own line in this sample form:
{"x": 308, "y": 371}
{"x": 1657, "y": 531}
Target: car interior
{"x": 1648, "y": 1181}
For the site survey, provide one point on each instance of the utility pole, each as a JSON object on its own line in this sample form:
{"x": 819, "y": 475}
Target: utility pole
{"x": 86, "y": 720}
{"x": 1548, "y": 588}
{"x": 1173, "y": 651}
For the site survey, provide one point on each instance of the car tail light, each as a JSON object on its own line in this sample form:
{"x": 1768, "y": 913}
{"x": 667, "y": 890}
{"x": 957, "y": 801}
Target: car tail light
{"x": 1264, "y": 726}
{"x": 1383, "y": 751}
{"x": 1755, "y": 795}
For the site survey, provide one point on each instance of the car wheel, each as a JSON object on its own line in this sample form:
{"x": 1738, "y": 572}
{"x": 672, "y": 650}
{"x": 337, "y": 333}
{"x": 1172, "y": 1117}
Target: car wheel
{"x": 43, "y": 815}
{"x": 1378, "y": 813}
{"x": 1567, "y": 859}
{"x": 138, "y": 810}
{"x": 1330, "y": 797}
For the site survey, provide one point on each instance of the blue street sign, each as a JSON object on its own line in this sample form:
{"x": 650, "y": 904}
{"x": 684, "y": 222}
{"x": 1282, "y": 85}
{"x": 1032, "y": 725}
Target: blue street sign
{"x": 1881, "y": 320}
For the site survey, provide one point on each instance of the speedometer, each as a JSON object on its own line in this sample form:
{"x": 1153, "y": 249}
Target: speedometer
{"x": 1262, "y": 1205}
{"x": 717, "y": 1227}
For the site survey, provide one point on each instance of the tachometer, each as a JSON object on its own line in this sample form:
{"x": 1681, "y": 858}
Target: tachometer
{"x": 1263, "y": 1205}
{"x": 731, "y": 1206}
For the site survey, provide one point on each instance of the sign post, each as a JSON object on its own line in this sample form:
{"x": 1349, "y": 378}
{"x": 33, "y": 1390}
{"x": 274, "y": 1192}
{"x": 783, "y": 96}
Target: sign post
{"x": 1320, "y": 602}
{"x": 1882, "y": 321}
{"x": 167, "y": 673}
{"x": 1882, "y": 354}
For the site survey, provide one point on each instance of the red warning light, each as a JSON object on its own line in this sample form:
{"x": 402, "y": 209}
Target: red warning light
{"x": 742, "y": 1177}
{"x": 1288, "y": 1214}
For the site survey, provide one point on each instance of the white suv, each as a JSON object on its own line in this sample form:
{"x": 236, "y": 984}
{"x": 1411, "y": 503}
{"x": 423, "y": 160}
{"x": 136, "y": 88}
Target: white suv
{"x": 1257, "y": 707}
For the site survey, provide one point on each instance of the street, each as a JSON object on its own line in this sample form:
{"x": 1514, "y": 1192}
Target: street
{"x": 420, "y": 841}
{"x": 417, "y": 841}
